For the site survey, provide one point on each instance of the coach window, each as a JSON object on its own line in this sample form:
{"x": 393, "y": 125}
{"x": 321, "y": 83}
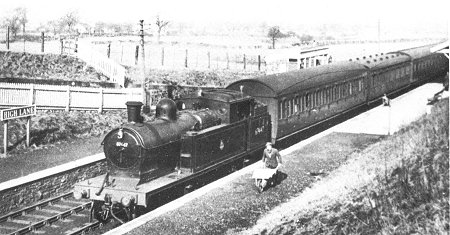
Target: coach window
{"x": 291, "y": 107}
{"x": 319, "y": 97}
{"x": 334, "y": 93}
{"x": 285, "y": 108}
{"x": 324, "y": 96}
{"x": 328, "y": 95}
{"x": 307, "y": 101}
{"x": 339, "y": 91}
{"x": 296, "y": 104}
{"x": 313, "y": 100}
{"x": 345, "y": 89}
{"x": 302, "y": 103}
{"x": 280, "y": 109}
{"x": 350, "y": 88}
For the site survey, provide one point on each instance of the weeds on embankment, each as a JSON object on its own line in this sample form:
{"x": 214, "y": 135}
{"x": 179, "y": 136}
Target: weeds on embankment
{"x": 49, "y": 127}
{"x": 397, "y": 186}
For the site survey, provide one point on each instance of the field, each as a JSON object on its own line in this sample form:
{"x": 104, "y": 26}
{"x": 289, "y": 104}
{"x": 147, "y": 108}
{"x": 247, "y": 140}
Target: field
{"x": 204, "y": 53}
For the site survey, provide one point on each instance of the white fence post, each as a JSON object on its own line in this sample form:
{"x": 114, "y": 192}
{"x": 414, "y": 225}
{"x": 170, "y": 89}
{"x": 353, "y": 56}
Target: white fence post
{"x": 100, "y": 109}
{"x": 32, "y": 94}
{"x": 68, "y": 99}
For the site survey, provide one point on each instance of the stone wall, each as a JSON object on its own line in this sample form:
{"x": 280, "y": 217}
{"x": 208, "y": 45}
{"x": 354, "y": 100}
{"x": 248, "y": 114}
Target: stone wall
{"x": 28, "y": 193}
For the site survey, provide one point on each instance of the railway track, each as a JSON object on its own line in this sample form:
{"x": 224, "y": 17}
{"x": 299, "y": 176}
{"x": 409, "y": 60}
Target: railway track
{"x": 57, "y": 215}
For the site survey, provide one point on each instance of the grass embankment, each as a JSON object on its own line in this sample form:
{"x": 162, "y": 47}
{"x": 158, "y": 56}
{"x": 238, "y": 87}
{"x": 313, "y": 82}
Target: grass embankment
{"x": 45, "y": 66}
{"x": 397, "y": 186}
{"x": 52, "y": 127}
{"x": 218, "y": 78}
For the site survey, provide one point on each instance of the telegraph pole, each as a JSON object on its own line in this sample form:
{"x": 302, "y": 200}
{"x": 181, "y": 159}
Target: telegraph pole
{"x": 7, "y": 38}
{"x": 379, "y": 33}
{"x": 146, "y": 108}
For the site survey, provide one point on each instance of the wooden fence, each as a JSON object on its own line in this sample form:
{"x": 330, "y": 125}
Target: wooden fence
{"x": 110, "y": 68}
{"x": 66, "y": 97}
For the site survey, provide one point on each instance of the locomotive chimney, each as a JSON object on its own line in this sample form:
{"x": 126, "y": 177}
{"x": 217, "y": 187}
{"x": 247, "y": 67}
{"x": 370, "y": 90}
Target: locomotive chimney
{"x": 134, "y": 111}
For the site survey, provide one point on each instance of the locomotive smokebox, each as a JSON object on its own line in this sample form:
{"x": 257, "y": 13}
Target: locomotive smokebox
{"x": 134, "y": 111}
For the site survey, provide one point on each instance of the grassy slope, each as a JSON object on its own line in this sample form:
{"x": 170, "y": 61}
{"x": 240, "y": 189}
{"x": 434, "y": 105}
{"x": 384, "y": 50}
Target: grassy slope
{"x": 52, "y": 127}
{"x": 397, "y": 186}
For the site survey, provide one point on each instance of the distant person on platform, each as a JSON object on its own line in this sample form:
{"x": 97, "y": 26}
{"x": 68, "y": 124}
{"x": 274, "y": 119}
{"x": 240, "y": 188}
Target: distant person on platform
{"x": 272, "y": 158}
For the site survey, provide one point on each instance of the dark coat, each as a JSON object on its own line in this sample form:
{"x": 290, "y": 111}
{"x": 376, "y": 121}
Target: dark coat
{"x": 272, "y": 158}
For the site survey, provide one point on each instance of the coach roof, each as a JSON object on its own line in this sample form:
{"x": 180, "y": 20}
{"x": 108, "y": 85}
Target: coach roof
{"x": 292, "y": 82}
{"x": 375, "y": 62}
{"x": 418, "y": 52}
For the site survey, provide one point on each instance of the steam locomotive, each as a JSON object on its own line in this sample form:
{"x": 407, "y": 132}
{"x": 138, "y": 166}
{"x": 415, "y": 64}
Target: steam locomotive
{"x": 218, "y": 127}
{"x": 215, "y": 128}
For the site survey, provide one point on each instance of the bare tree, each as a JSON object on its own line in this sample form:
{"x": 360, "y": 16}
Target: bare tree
{"x": 13, "y": 21}
{"x": 274, "y": 34}
{"x": 70, "y": 19}
{"x": 160, "y": 24}
{"x": 21, "y": 13}
{"x": 54, "y": 26}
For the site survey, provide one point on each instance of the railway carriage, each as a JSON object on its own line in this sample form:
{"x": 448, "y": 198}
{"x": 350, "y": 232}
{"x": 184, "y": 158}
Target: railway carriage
{"x": 424, "y": 64}
{"x": 385, "y": 74}
{"x": 298, "y": 99}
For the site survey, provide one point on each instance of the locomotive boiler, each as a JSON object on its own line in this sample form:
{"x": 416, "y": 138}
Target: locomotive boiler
{"x": 146, "y": 150}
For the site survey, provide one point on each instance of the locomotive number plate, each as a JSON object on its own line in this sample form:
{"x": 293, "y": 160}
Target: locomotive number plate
{"x": 121, "y": 144}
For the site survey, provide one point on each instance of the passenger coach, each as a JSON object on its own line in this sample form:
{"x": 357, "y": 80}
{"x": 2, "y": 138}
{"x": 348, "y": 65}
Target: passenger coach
{"x": 298, "y": 99}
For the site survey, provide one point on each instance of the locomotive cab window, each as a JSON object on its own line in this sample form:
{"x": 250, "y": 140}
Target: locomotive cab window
{"x": 239, "y": 111}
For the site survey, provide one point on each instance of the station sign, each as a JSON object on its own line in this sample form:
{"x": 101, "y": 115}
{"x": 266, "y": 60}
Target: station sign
{"x": 14, "y": 113}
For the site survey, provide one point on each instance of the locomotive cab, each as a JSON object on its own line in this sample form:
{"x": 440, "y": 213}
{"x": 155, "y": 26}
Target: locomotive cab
{"x": 233, "y": 106}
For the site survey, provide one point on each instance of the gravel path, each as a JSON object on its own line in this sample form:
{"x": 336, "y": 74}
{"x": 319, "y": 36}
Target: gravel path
{"x": 237, "y": 205}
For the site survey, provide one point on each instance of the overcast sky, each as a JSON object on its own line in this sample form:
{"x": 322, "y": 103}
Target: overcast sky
{"x": 289, "y": 12}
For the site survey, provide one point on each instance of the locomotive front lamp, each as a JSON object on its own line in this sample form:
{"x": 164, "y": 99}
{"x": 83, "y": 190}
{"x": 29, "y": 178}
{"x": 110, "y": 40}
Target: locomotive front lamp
{"x": 126, "y": 201}
{"x": 80, "y": 194}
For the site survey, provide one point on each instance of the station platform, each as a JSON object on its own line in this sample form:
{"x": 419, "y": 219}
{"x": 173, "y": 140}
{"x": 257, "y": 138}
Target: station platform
{"x": 232, "y": 204}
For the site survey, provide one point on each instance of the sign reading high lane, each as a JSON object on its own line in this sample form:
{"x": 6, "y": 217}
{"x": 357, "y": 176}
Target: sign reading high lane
{"x": 13, "y": 113}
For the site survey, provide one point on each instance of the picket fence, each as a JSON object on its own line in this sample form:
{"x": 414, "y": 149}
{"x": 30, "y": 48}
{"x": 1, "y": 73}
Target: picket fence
{"x": 54, "y": 97}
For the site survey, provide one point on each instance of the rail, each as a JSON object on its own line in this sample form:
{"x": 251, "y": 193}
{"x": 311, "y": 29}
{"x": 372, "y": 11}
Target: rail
{"x": 31, "y": 225}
